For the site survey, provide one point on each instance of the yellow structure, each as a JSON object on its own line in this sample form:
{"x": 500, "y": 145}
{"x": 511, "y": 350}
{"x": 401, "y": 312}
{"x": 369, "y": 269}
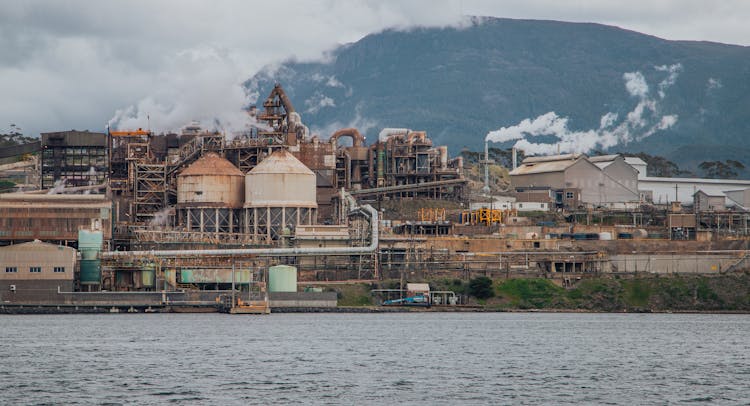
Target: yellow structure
{"x": 483, "y": 216}
{"x": 431, "y": 214}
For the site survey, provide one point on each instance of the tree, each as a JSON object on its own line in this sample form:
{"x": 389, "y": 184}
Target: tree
{"x": 721, "y": 170}
{"x": 481, "y": 287}
{"x": 13, "y": 136}
{"x": 660, "y": 166}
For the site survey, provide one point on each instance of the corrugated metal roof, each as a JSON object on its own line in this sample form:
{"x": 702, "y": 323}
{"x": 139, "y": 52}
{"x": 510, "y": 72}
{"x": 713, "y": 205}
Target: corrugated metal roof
{"x": 603, "y": 158}
{"x": 634, "y": 160}
{"x": 418, "y": 287}
{"x": 281, "y": 161}
{"x": 37, "y": 246}
{"x": 547, "y": 158}
{"x": 603, "y": 161}
{"x": 211, "y": 164}
{"x": 543, "y": 167}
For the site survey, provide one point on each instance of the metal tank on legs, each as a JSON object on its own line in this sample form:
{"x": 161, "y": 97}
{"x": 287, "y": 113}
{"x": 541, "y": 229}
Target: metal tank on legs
{"x": 210, "y": 194}
{"x": 280, "y": 193}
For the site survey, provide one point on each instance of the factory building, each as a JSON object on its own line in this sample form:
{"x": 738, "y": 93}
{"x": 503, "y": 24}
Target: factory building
{"x": 575, "y": 179}
{"x": 638, "y": 164}
{"x": 703, "y": 201}
{"x": 34, "y": 271}
{"x": 52, "y": 218}
{"x": 667, "y": 190}
{"x": 739, "y": 198}
{"x": 74, "y": 158}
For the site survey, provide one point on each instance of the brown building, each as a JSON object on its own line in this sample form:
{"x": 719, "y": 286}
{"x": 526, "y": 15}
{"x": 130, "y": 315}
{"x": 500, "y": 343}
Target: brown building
{"x": 52, "y": 218}
{"x": 35, "y": 271}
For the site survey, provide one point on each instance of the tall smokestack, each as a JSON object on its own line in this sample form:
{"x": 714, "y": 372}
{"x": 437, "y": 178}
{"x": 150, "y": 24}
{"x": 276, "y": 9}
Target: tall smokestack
{"x": 514, "y": 157}
{"x": 486, "y": 188}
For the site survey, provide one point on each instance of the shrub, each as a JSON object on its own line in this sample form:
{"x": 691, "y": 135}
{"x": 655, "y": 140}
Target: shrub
{"x": 481, "y": 287}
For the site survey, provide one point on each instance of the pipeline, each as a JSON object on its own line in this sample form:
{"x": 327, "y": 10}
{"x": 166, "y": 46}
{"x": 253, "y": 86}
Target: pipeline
{"x": 388, "y": 132}
{"x": 357, "y": 139}
{"x": 279, "y": 91}
{"x": 265, "y": 252}
{"x": 67, "y": 190}
{"x": 443, "y": 156}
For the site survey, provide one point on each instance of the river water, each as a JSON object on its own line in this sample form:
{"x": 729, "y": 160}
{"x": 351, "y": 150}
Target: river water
{"x": 431, "y": 358}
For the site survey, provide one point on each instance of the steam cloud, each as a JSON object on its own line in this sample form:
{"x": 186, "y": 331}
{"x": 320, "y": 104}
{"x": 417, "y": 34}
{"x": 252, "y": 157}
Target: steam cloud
{"x": 204, "y": 85}
{"x": 643, "y": 121}
{"x": 161, "y": 218}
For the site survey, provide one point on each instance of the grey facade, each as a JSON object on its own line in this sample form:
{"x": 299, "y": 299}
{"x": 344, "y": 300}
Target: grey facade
{"x": 576, "y": 180}
{"x": 702, "y": 201}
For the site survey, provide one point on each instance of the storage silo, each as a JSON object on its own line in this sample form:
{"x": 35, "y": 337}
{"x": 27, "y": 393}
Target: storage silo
{"x": 210, "y": 193}
{"x": 282, "y": 278}
{"x": 89, "y": 245}
{"x": 280, "y": 193}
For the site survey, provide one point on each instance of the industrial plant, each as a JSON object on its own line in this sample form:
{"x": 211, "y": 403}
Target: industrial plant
{"x": 269, "y": 217}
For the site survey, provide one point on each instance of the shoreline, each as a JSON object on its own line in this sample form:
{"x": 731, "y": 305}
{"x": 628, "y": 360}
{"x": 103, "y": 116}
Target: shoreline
{"x": 49, "y": 309}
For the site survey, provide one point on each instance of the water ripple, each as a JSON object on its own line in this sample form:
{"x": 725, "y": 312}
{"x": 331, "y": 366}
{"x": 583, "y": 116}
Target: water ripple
{"x": 502, "y": 358}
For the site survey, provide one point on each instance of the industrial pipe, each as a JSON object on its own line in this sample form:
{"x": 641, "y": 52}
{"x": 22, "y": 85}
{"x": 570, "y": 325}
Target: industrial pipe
{"x": 67, "y": 190}
{"x": 279, "y": 91}
{"x": 443, "y": 157}
{"x": 265, "y": 252}
{"x": 357, "y": 139}
{"x": 388, "y": 132}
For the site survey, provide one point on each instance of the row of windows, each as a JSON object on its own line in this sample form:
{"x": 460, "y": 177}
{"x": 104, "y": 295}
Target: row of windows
{"x": 101, "y": 151}
{"x": 34, "y": 269}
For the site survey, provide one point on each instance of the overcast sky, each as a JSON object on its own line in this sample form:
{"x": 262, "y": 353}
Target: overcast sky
{"x": 74, "y": 64}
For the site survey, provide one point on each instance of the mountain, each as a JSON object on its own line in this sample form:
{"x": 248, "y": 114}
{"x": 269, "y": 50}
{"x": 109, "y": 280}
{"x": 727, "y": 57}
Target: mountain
{"x": 458, "y": 84}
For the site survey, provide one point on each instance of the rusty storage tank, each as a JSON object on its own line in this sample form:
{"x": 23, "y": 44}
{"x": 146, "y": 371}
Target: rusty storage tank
{"x": 280, "y": 193}
{"x": 210, "y": 194}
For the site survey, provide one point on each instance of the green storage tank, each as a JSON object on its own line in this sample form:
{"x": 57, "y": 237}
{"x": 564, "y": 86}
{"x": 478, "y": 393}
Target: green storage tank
{"x": 282, "y": 278}
{"x": 90, "y": 243}
{"x": 91, "y": 272}
{"x": 147, "y": 275}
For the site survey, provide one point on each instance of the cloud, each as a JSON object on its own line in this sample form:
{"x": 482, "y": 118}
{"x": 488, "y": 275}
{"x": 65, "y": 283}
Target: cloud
{"x": 636, "y": 84}
{"x": 318, "y": 101}
{"x": 333, "y": 82}
{"x": 359, "y": 121}
{"x": 641, "y": 122}
{"x": 203, "y": 84}
{"x": 713, "y": 84}
{"x": 73, "y": 64}
{"x": 674, "y": 71}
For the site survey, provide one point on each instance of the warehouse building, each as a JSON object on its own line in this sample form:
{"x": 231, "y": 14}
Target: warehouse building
{"x": 35, "y": 272}
{"x": 52, "y": 218}
{"x": 739, "y": 199}
{"x": 576, "y": 180}
{"x": 703, "y": 201}
{"x": 667, "y": 190}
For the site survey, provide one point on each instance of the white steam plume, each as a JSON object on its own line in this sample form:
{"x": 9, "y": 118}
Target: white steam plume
{"x": 643, "y": 121}
{"x": 58, "y": 187}
{"x": 203, "y": 84}
{"x": 161, "y": 218}
{"x": 674, "y": 71}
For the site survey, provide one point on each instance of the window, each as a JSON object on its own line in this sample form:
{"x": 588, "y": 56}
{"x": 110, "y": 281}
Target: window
{"x": 59, "y": 269}
{"x": 35, "y": 269}
{"x": 568, "y": 195}
{"x": 11, "y": 269}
